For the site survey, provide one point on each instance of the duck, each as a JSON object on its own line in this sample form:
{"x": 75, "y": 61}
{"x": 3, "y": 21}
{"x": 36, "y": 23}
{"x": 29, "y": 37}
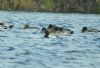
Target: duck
{"x": 54, "y": 30}
{"x": 11, "y": 26}
{"x": 47, "y": 34}
{"x": 86, "y": 29}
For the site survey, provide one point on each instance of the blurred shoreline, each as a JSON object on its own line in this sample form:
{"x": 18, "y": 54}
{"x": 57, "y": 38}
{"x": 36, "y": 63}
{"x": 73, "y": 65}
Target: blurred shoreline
{"x": 55, "y": 6}
{"x": 50, "y": 12}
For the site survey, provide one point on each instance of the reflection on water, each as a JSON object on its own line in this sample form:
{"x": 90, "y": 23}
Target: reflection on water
{"x": 21, "y": 48}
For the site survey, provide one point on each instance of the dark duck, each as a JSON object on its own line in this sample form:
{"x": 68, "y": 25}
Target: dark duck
{"x": 87, "y": 29}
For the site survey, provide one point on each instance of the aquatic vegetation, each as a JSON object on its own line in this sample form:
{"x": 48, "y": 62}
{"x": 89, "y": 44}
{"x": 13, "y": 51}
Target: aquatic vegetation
{"x": 98, "y": 6}
{"x": 49, "y": 5}
{"x": 16, "y": 4}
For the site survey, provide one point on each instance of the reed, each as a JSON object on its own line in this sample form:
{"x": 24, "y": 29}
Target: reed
{"x": 49, "y": 5}
{"x": 40, "y": 5}
{"x": 16, "y": 4}
{"x": 98, "y": 6}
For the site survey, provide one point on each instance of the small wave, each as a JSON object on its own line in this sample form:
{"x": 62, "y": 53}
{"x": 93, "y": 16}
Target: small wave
{"x": 10, "y": 49}
{"x": 97, "y": 39}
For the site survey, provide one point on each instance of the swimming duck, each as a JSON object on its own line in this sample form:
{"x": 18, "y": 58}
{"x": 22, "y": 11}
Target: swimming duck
{"x": 11, "y": 26}
{"x": 53, "y": 35}
{"x": 86, "y": 29}
{"x": 52, "y": 29}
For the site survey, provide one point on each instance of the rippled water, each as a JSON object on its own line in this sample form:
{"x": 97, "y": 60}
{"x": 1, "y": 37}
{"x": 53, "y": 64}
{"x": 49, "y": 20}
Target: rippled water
{"x": 28, "y": 48}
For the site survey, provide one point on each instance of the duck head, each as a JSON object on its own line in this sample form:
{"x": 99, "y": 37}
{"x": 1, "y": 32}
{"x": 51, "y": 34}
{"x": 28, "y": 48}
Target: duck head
{"x": 43, "y": 30}
{"x": 71, "y": 32}
{"x": 50, "y": 26}
{"x": 84, "y": 29}
{"x": 46, "y": 34}
{"x": 11, "y": 26}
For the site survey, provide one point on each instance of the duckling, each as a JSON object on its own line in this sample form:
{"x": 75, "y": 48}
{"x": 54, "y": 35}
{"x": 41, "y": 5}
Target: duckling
{"x": 86, "y": 29}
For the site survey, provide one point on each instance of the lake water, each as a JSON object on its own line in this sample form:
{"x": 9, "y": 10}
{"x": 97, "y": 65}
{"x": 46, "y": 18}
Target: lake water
{"x": 20, "y": 48}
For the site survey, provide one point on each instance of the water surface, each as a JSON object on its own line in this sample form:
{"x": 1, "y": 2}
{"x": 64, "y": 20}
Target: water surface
{"x": 21, "y": 48}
